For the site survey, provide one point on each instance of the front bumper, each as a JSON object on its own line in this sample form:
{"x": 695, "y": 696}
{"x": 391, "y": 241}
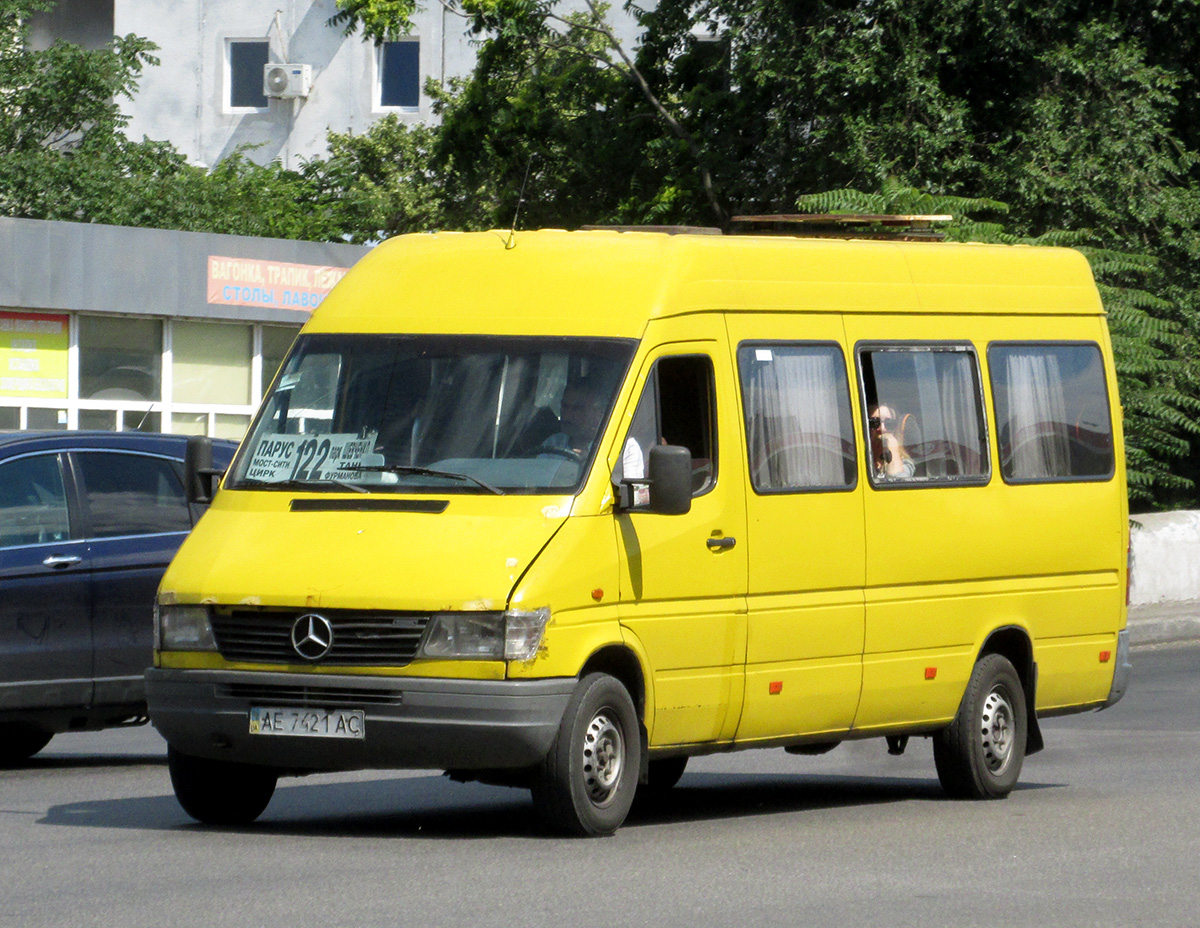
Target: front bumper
{"x": 411, "y": 722}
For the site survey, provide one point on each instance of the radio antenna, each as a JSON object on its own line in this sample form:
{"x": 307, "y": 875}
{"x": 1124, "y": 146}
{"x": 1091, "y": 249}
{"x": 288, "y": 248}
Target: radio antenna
{"x": 512, "y": 233}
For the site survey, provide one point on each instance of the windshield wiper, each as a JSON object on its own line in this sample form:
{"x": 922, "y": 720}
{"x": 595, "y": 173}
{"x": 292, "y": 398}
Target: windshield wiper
{"x": 424, "y": 472}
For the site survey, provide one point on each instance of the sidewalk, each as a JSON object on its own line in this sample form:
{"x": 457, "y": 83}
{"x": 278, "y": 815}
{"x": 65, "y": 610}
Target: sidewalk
{"x": 1157, "y": 623}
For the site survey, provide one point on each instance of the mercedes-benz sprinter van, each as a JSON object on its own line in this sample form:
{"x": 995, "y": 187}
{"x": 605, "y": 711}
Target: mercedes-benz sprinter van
{"x": 563, "y": 509}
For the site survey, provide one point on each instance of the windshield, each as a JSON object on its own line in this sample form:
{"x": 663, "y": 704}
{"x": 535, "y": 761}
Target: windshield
{"x": 433, "y": 413}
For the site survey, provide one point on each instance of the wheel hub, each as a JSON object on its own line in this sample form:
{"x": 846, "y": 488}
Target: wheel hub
{"x": 603, "y": 758}
{"x": 997, "y": 730}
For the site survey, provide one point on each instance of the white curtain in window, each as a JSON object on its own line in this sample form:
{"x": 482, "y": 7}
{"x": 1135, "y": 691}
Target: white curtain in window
{"x": 1036, "y": 413}
{"x": 960, "y": 418}
{"x": 794, "y": 429}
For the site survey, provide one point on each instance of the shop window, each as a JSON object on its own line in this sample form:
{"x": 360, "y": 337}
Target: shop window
{"x": 799, "y": 431}
{"x": 924, "y": 415}
{"x": 98, "y": 419}
{"x": 400, "y": 74}
{"x": 46, "y": 420}
{"x": 1052, "y": 413}
{"x": 211, "y": 363}
{"x": 10, "y": 418}
{"x": 276, "y": 341}
{"x": 247, "y": 59}
{"x": 120, "y": 359}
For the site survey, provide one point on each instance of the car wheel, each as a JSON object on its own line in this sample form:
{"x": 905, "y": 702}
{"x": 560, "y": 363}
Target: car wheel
{"x": 218, "y": 792}
{"x": 586, "y": 783}
{"x": 18, "y": 743}
{"x": 980, "y": 755}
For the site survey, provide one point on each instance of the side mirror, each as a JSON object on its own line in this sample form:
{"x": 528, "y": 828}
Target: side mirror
{"x": 669, "y": 482}
{"x": 199, "y": 476}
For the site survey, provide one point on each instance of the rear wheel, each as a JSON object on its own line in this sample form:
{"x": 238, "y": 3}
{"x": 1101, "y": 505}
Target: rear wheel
{"x": 218, "y": 792}
{"x": 980, "y": 755}
{"x": 18, "y": 743}
{"x": 586, "y": 783}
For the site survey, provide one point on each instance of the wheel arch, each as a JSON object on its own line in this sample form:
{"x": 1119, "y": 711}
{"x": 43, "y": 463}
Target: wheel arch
{"x": 1013, "y": 642}
{"x": 622, "y": 663}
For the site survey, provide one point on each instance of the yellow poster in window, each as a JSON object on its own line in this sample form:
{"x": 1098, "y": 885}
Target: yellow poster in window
{"x": 33, "y": 355}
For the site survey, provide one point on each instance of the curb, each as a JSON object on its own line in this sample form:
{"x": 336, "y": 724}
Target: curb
{"x": 1160, "y": 623}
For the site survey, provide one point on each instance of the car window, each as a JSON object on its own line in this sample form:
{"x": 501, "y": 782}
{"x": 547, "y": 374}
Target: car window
{"x": 33, "y": 502}
{"x": 132, "y": 494}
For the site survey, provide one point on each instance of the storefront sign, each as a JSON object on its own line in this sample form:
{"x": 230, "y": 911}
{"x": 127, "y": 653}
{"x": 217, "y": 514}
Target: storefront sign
{"x": 33, "y": 355}
{"x": 251, "y": 282}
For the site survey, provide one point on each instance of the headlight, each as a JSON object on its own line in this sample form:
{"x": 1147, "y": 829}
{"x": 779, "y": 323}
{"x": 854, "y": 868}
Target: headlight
{"x": 183, "y": 628}
{"x": 510, "y": 636}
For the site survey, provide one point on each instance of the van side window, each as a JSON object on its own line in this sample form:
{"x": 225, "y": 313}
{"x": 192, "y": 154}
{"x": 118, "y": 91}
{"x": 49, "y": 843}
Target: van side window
{"x": 1052, "y": 414}
{"x": 924, "y": 415}
{"x": 798, "y": 427}
{"x": 677, "y": 407}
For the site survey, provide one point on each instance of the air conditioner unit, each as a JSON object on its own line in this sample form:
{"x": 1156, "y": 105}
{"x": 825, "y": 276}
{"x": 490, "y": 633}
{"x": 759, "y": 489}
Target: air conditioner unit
{"x": 287, "y": 80}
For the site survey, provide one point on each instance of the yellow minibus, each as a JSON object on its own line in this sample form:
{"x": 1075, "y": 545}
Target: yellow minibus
{"x": 560, "y": 510}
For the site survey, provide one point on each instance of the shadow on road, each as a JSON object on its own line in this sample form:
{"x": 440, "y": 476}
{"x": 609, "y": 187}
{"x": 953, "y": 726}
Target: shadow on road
{"x": 432, "y": 807}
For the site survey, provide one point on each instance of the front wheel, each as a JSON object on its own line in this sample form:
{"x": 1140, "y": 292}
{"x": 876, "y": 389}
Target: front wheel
{"x": 218, "y": 792}
{"x": 586, "y": 783}
{"x": 980, "y": 755}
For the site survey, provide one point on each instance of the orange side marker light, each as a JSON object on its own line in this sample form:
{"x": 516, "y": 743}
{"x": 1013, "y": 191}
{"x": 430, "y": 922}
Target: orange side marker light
{"x": 930, "y": 673}
{"x": 1105, "y": 657}
{"x": 775, "y": 687}
{"x": 597, "y": 594}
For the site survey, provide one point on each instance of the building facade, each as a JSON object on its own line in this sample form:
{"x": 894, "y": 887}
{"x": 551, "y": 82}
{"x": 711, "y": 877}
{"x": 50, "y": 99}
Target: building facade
{"x": 120, "y": 329}
{"x": 207, "y": 95}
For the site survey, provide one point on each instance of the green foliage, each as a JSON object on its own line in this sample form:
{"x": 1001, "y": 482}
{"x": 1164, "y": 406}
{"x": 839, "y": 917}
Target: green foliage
{"x": 381, "y": 20}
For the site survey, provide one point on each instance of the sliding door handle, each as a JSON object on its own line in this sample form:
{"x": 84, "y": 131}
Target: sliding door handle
{"x": 721, "y": 544}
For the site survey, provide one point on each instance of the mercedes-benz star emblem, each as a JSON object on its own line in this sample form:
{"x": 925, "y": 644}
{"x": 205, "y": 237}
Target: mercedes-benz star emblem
{"x": 312, "y": 636}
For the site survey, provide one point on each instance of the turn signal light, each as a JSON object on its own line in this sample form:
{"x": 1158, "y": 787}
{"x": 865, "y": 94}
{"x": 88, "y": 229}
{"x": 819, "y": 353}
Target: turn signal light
{"x": 1105, "y": 657}
{"x": 930, "y": 673}
{"x": 775, "y": 687}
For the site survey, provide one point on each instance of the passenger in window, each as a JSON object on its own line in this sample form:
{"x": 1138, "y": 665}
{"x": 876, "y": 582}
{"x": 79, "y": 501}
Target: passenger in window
{"x": 888, "y": 455}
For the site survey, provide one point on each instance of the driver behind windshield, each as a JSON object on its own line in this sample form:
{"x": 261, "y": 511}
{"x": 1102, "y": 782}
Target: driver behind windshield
{"x": 579, "y": 418}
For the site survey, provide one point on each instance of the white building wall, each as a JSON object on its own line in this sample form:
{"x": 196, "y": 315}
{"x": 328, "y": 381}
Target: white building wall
{"x": 185, "y": 99}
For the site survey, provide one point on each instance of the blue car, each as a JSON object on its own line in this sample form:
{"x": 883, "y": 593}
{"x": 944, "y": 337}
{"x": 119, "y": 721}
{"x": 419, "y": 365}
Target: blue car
{"x": 88, "y": 523}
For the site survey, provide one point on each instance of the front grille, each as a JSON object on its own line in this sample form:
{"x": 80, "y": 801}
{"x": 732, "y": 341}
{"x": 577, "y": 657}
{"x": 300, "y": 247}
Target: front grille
{"x": 315, "y": 697}
{"x": 360, "y": 638}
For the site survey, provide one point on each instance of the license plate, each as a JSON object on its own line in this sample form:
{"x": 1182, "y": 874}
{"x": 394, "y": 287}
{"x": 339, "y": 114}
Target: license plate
{"x": 308, "y": 723}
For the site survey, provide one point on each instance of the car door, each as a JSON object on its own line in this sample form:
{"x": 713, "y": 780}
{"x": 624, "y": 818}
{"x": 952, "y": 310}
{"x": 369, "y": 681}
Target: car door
{"x": 683, "y": 577}
{"x": 805, "y": 525}
{"x": 136, "y": 516}
{"x": 45, "y": 627}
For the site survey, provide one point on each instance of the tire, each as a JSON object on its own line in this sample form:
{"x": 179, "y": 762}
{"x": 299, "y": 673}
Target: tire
{"x": 19, "y": 742}
{"x": 980, "y": 755}
{"x": 217, "y": 792}
{"x": 585, "y": 784}
{"x": 664, "y": 774}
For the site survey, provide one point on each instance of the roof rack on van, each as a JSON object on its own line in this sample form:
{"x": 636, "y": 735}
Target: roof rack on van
{"x": 670, "y": 230}
{"x": 845, "y": 225}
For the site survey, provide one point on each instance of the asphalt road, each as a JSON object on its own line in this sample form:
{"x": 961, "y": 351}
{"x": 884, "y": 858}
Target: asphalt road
{"x": 1102, "y": 831}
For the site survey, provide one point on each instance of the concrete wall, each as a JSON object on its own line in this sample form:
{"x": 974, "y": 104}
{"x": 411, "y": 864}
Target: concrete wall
{"x": 1166, "y": 558}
